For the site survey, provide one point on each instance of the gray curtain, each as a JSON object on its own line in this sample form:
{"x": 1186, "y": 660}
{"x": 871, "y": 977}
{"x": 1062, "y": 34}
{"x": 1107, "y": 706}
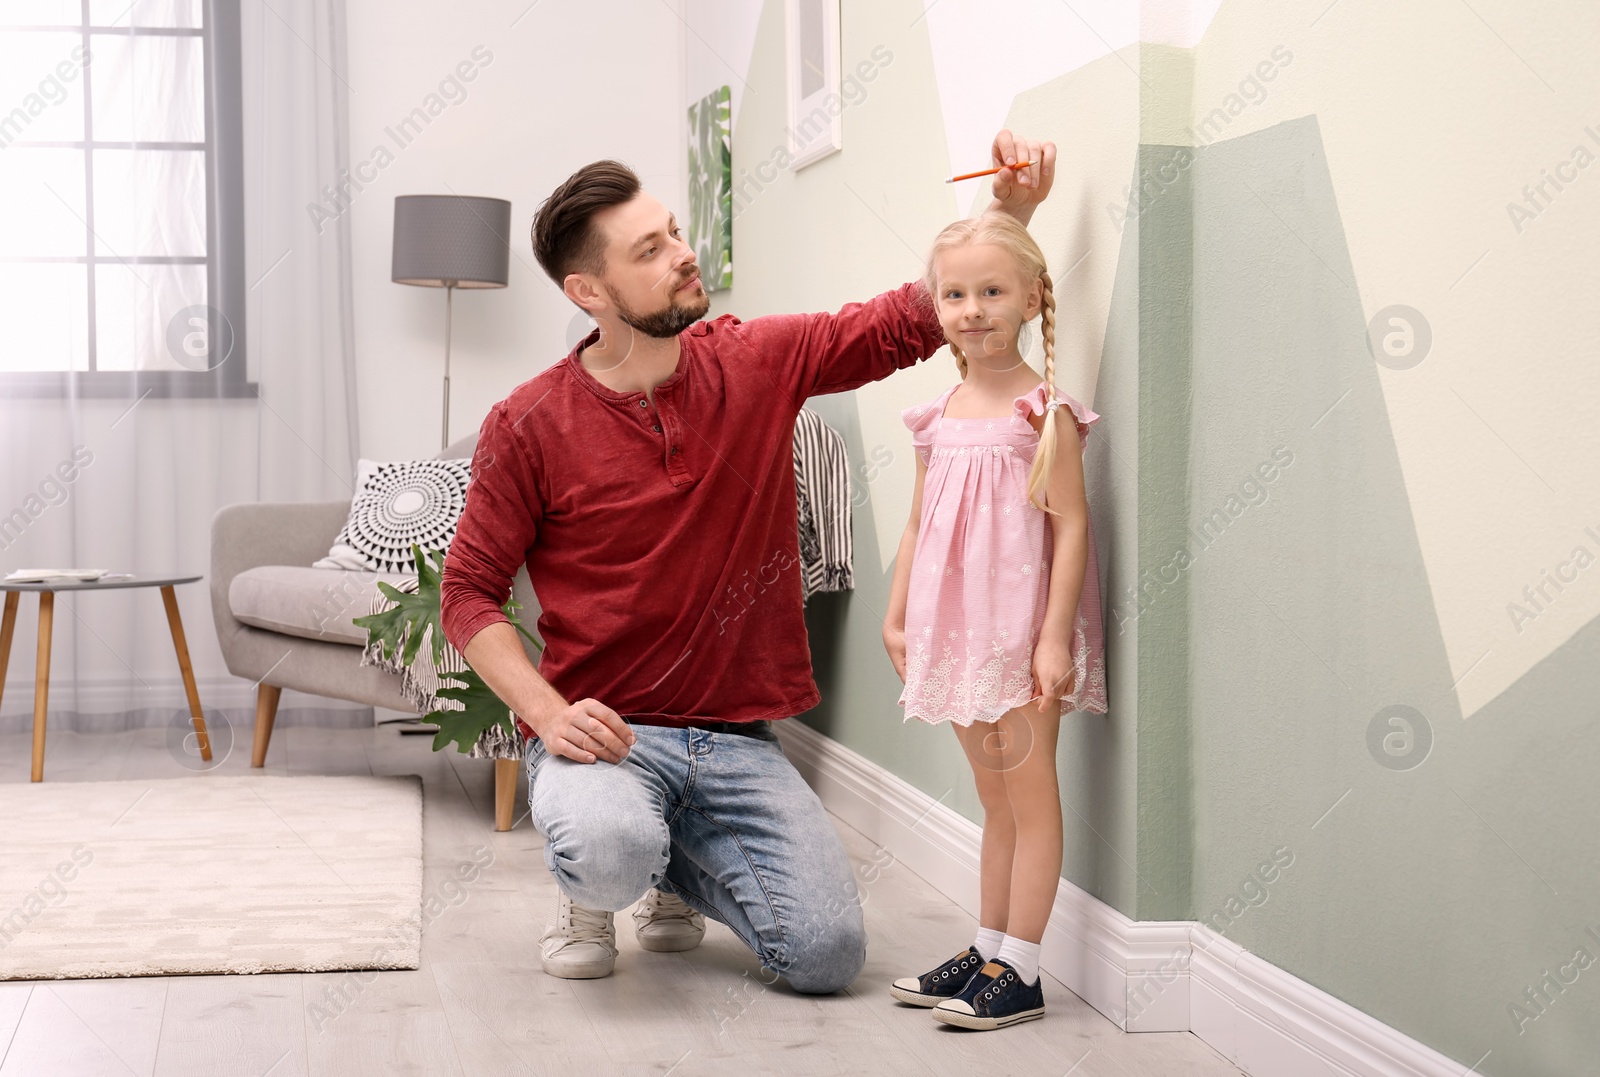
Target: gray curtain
{"x": 149, "y": 471}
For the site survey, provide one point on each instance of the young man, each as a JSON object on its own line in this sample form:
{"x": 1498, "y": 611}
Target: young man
{"x": 647, "y": 482}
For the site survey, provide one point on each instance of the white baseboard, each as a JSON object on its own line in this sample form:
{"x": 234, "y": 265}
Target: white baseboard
{"x": 1144, "y": 976}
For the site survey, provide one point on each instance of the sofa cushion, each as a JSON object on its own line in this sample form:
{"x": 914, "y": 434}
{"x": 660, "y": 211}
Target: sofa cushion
{"x": 312, "y": 603}
{"x": 398, "y": 505}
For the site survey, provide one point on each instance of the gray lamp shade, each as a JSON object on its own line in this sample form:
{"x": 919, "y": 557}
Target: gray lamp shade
{"x": 447, "y": 239}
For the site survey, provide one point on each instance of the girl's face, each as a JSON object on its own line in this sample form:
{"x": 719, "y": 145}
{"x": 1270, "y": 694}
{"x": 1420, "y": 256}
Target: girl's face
{"x": 983, "y": 301}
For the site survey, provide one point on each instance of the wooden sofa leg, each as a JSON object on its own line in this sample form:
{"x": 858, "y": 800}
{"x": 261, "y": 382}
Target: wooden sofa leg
{"x": 266, "y": 713}
{"x": 505, "y": 792}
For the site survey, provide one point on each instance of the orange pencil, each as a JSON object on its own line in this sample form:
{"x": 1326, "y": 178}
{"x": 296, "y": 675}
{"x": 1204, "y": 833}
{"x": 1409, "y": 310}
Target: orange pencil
{"x": 987, "y": 171}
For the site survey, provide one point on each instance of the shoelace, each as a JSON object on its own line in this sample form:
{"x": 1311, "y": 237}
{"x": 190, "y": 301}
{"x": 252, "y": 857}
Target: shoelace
{"x": 585, "y": 923}
{"x": 666, "y": 907}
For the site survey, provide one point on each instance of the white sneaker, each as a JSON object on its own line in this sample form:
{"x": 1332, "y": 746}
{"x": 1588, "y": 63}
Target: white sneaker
{"x": 663, "y": 923}
{"x": 581, "y": 944}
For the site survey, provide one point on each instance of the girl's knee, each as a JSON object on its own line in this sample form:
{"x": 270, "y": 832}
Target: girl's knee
{"x": 993, "y": 795}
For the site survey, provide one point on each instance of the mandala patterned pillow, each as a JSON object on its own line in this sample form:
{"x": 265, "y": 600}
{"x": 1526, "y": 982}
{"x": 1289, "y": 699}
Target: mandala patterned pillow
{"x": 397, "y": 504}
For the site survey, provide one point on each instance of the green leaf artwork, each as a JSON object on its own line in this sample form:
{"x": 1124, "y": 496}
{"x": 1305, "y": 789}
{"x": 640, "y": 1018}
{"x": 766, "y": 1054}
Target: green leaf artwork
{"x": 711, "y": 188}
{"x": 403, "y": 627}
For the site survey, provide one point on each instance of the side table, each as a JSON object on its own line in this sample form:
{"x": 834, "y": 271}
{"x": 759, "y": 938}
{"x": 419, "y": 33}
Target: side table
{"x": 41, "y": 684}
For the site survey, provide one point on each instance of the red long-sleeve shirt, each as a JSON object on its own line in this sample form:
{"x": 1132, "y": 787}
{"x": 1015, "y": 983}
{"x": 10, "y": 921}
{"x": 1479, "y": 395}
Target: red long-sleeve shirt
{"x": 662, "y": 542}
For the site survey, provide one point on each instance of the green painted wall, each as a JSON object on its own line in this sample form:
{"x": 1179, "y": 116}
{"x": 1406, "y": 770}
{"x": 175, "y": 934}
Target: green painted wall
{"x": 1430, "y": 896}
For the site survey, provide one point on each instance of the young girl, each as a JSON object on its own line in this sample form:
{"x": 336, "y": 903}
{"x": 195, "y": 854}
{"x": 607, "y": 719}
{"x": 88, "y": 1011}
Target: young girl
{"x": 994, "y": 616}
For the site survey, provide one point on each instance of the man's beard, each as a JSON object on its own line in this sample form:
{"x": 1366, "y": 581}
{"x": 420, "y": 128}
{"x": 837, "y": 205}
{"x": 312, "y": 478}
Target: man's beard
{"x": 666, "y": 323}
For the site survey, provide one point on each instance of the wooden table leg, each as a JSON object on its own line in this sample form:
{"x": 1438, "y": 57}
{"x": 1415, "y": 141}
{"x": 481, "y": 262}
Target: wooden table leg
{"x": 8, "y": 625}
{"x": 175, "y": 622}
{"x": 41, "y": 681}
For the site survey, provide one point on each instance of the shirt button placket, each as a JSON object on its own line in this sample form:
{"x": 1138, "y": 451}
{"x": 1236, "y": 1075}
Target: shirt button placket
{"x": 653, "y": 426}
{"x": 674, "y": 461}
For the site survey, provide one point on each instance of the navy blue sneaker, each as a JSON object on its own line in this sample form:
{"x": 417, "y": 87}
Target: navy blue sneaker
{"x": 995, "y": 997}
{"x": 932, "y": 988}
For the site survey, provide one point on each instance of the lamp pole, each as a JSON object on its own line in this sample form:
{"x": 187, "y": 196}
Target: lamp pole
{"x": 449, "y": 295}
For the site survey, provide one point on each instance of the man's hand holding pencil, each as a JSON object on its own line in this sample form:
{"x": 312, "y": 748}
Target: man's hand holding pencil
{"x": 1023, "y": 171}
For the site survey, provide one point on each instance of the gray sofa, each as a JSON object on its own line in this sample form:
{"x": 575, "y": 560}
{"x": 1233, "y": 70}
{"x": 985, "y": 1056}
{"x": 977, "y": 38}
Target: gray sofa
{"x": 284, "y": 624}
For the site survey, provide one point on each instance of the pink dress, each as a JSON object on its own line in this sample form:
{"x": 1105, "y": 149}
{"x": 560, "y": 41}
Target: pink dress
{"x": 980, "y": 575}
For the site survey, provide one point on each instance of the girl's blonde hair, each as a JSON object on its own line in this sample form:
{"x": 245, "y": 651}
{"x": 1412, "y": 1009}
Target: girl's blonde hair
{"x": 1005, "y": 232}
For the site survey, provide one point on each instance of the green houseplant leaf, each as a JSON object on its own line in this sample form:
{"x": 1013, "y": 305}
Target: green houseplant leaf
{"x": 404, "y": 625}
{"x": 412, "y": 614}
{"x": 480, "y": 709}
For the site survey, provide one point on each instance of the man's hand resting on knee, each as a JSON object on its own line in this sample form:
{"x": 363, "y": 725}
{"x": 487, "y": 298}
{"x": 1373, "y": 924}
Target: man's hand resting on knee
{"x": 585, "y": 731}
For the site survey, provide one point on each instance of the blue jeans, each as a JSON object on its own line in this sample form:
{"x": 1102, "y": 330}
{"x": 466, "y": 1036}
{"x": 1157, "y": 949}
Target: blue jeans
{"x": 723, "y": 821}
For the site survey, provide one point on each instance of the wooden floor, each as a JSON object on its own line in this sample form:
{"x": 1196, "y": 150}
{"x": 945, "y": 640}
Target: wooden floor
{"x": 480, "y": 1003}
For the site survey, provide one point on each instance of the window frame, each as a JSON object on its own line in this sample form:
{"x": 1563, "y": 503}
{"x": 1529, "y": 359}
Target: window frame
{"x": 224, "y": 259}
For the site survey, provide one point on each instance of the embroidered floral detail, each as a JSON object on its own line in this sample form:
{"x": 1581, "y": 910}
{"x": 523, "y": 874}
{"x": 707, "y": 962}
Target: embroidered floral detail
{"x": 983, "y": 683}
{"x": 1027, "y": 569}
{"x": 980, "y": 682}
{"x": 939, "y": 452}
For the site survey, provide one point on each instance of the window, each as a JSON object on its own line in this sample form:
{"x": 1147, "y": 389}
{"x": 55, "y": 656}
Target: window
{"x": 121, "y": 249}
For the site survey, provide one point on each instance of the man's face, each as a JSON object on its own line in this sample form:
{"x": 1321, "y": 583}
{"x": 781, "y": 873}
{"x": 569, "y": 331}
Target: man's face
{"x": 651, "y": 281}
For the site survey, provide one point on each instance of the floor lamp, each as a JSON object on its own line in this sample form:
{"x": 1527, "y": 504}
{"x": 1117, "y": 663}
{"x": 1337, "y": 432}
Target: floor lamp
{"x": 450, "y": 241}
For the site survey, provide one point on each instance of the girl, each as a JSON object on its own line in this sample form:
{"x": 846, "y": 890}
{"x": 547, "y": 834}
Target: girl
{"x": 994, "y": 617}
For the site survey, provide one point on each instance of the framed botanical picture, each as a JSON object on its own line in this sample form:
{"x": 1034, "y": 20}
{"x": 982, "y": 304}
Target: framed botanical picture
{"x": 711, "y": 188}
{"x": 811, "y": 43}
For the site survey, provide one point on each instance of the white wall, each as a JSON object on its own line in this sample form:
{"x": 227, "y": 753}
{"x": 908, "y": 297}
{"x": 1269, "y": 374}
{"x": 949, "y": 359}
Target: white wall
{"x": 566, "y": 84}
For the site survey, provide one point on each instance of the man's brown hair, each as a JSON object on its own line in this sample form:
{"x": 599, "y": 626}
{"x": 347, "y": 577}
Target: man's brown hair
{"x": 564, "y": 237}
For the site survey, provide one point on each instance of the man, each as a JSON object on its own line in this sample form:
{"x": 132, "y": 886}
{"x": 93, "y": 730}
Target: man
{"x": 647, "y": 482}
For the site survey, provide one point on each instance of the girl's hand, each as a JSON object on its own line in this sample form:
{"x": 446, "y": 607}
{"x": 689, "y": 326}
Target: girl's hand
{"x": 894, "y": 641}
{"x": 1053, "y": 673}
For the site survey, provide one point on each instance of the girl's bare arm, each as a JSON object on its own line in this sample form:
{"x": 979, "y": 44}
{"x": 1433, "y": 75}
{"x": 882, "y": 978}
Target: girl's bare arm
{"x": 901, "y": 585}
{"x": 1070, "y": 529}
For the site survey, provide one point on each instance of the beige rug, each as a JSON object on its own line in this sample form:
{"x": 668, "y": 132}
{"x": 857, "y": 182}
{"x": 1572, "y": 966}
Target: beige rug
{"x": 210, "y": 874}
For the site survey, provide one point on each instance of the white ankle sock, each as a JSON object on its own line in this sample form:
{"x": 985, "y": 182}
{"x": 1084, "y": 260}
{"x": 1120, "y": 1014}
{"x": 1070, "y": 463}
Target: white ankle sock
{"x": 988, "y": 944}
{"x": 1022, "y": 956}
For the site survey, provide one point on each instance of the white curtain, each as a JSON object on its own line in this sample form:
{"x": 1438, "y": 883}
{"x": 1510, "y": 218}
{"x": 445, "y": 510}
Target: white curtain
{"x": 147, "y": 474}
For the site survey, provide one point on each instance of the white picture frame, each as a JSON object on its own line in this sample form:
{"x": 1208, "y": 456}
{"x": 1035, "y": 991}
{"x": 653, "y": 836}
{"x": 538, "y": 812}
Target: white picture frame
{"x": 811, "y": 48}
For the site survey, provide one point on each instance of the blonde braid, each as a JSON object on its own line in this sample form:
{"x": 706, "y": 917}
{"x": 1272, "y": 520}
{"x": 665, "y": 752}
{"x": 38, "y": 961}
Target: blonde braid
{"x": 1044, "y": 456}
